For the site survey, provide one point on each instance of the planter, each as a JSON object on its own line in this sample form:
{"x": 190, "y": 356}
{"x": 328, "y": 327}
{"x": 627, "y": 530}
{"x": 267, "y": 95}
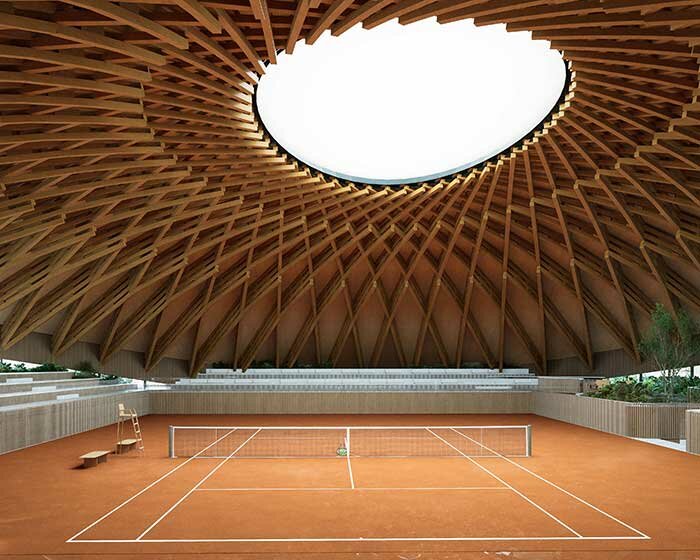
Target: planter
{"x": 642, "y": 420}
{"x": 692, "y": 431}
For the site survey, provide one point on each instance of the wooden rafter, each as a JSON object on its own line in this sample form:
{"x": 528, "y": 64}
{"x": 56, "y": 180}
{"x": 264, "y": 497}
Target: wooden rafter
{"x": 138, "y": 192}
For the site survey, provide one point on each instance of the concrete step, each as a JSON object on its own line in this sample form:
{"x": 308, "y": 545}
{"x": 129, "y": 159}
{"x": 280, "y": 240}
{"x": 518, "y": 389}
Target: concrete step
{"x": 35, "y": 376}
{"x": 7, "y": 399}
{"x": 360, "y": 388}
{"x": 97, "y": 398}
{"x": 353, "y": 381}
{"x": 18, "y": 387}
{"x": 251, "y": 374}
{"x": 365, "y": 380}
{"x": 355, "y": 387}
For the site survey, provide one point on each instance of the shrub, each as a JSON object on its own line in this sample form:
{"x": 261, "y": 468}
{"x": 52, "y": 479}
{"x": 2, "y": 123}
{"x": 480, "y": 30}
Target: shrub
{"x": 86, "y": 366}
{"x": 652, "y": 389}
{"x": 262, "y": 364}
{"x": 8, "y": 368}
{"x": 85, "y": 375}
{"x": 48, "y": 367}
{"x": 474, "y": 365}
{"x": 222, "y": 365}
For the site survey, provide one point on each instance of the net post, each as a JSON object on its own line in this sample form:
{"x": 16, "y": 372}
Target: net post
{"x": 347, "y": 441}
{"x": 528, "y": 440}
{"x": 171, "y": 442}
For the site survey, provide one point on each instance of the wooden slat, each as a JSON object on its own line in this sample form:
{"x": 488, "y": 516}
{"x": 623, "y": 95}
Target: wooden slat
{"x": 139, "y": 192}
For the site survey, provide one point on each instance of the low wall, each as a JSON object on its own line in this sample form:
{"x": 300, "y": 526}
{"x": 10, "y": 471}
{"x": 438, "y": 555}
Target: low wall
{"x": 599, "y": 414}
{"x": 666, "y": 421}
{"x": 569, "y": 384}
{"x": 203, "y": 402}
{"x": 37, "y": 424}
{"x": 692, "y": 431}
{"x": 559, "y": 384}
{"x": 642, "y": 420}
{"x": 32, "y": 425}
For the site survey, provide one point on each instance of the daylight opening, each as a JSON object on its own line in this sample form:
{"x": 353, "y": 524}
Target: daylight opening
{"x": 403, "y": 104}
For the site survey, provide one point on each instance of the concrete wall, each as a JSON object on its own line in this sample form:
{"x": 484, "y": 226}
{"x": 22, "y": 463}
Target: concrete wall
{"x": 31, "y": 425}
{"x": 202, "y": 402}
{"x": 615, "y": 417}
{"x": 692, "y": 431}
{"x": 599, "y": 414}
{"x": 565, "y": 384}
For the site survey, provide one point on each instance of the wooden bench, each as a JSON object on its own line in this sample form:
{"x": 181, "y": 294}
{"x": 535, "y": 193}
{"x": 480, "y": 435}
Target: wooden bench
{"x": 125, "y": 445}
{"x": 93, "y": 458}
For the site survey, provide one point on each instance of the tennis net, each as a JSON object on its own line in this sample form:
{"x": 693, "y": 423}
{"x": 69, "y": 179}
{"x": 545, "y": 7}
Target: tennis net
{"x": 353, "y": 441}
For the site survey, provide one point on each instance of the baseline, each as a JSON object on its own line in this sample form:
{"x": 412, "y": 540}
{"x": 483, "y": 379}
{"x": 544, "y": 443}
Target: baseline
{"x": 552, "y": 484}
{"x": 503, "y": 482}
{"x": 142, "y": 491}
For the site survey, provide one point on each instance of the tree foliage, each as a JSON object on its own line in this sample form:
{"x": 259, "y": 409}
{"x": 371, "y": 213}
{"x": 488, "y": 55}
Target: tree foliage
{"x": 671, "y": 343}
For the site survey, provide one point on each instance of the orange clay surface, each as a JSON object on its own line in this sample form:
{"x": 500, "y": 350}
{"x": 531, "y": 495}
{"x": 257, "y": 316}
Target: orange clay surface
{"x": 403, "y": 508}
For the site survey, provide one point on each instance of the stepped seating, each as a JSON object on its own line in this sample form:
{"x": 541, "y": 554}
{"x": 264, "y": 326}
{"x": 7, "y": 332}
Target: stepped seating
{"x": 362, "y": 380}
{"x": 20, "y": 389}
{"x": 48, "y": 385}
{"x": 21, "y": 376}
{"x": 433, "y": 373}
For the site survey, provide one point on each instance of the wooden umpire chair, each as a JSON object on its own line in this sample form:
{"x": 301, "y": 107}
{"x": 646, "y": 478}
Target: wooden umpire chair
{"x": 124, "y": 444}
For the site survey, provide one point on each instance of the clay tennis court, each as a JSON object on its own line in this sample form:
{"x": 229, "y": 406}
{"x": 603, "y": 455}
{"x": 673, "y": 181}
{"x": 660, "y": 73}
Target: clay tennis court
{"x": 579, "y": 491}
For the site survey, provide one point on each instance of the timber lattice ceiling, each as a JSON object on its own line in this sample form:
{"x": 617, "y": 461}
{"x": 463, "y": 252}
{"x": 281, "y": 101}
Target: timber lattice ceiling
{"x": 143, "y": 207}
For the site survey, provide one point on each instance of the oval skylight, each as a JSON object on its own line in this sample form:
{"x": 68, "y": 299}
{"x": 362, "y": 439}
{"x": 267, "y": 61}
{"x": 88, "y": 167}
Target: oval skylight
{"x": 401, "y": 104}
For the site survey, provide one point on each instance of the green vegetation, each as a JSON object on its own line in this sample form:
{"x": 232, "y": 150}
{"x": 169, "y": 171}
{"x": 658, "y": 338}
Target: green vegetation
{"x": 671, "y": 343}
{"x": 9, "y": 368}
{"x": 474, "y": 365}
{"x": 100, "y": 376}
{"x": 85, "y": 375}
{"x": 327, "y": 364}
{"x": 222, "y": 365}
{"x": 85, "y": 366}
{"x": 48, "y": 367}
{"x": 270, "y": 364}
{"x": 262, "y": 364}
{"x": 83, "y": 370}
{"x": 651, "y": 390}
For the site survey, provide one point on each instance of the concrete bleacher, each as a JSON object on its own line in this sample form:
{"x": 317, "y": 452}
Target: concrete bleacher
{"x": 23, "y": 376}
{"x": 360, "y": 380}
{"x": 19, "y": 389}
{"x": 17, "y": 386}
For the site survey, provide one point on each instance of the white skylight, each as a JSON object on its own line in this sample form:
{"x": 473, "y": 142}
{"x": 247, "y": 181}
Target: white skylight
{"x": 400, "y": 103}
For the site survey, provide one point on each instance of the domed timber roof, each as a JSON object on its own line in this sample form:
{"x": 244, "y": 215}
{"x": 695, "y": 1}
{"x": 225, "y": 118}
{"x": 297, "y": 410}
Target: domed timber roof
{"x": 146, "y": 215}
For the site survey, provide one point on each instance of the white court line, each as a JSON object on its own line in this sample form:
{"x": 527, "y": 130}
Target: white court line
{"x": 336, "y": 457}
{"x": 75, "y": 538}
{"x": 642, "y": 535}
{"x": 508, "y": 485}
{"x": 337, "y": 488}
{"x": 202, "y": 481}
{"x": 352, "y": 480}
{"x": 151, "y": 485}
{"x": 363, "y": 539}
{"x": 344, "y": 428}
